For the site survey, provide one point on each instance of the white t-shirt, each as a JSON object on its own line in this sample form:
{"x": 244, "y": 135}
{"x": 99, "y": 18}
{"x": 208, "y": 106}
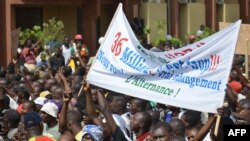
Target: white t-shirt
{"x": 13, "y": 104}
{"x": 199, "y": 33}
{"x": 66, "y": 54}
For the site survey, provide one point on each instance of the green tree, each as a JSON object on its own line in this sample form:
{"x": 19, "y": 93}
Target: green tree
{"x": 50, "y": 34}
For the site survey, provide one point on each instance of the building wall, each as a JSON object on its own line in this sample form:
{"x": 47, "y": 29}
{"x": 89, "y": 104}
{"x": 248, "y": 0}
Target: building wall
{"x": 228, "y": 12}
{"x": 183, "y": 21}
{"x": 230, "y": 1}
{"x": 192, "y": 15}
{"x": 231, "y": 12}
{"x": 220, "y": 12}
{"x": 67, "y": 14}
{"x": 107, "y": 13}
{"x": 196, "y": 13}
{"x": 151, "y": 13}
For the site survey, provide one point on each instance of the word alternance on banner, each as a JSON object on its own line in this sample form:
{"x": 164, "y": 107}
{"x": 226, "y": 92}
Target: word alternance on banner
{"x": 192, "y": 77}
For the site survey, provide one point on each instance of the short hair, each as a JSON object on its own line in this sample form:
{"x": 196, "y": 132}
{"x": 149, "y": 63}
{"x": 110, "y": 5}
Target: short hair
{"x": 147, "y": 119}
{"x": 178, "y": 126}
{"x": 178, "y": 138}
{"x": 163, "y": 125}
{"x": 81, "y": 71}
{"x": 25, "y": 93}
{"x": 245, "y": 103}
{"x": 67, "y": 71}
{"x": 74, "y": 116}
{"x": 141, "y": 103}
{"x": 13, "y": 116}
{"x": 192, "y": 117}
{"x": 32, "y": 103}
{"x": 155, "y": 115}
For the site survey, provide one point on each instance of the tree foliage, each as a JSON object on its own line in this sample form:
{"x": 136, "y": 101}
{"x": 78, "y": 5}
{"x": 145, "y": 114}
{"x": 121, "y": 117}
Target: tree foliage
{"x": 50, "y": 34}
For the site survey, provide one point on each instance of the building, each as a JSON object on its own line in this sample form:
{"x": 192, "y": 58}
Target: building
{"x": 184, "y": 17}
{"x": 88, "y": 17}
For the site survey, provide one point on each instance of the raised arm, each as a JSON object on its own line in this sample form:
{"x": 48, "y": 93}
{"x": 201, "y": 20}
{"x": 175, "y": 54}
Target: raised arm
{"x": 106, "y": 111}
{"x": 10, "y": 92}
{"x": 90, "y": 106}
{"x": 27, "y": 82}
{"x": 232, "y": 98}
{"x": 67, "y": 96}
{"x": 63, "y": 115}
{"x": 205, "y": 129}
{"x": 80, "y": 60}
{"x": 242, "y": 78}
{"x": 64, "y": 80}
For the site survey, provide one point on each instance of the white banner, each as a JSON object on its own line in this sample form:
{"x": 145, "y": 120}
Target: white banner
{"x": 192, "y": 77}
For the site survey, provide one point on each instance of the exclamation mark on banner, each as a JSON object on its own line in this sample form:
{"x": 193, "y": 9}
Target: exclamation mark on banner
{"x": 177, "y": 92}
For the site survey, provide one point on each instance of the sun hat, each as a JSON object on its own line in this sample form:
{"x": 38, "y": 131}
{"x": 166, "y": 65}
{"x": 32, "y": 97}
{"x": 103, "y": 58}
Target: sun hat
{"x": 40, "y": 100}
{"x": 51, "y": 109}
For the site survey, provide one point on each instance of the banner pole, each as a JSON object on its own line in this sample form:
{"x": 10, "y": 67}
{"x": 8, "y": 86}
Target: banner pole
{"x": 217, "y": 124}
{"x": 246, "y": 59}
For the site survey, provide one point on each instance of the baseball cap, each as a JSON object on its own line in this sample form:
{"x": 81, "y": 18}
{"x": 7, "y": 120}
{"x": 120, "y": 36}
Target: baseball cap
{"x": 31, "y": 119}
{"x": 78, "y": 37}
{"x": 51, "y": 109}
{"x": 236, "y": 86}
{"x": 93, "y": 130}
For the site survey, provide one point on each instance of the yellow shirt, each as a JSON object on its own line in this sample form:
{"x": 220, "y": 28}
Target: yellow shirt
{"x": 78, "y": 136}
{"x": 72, "y": 65}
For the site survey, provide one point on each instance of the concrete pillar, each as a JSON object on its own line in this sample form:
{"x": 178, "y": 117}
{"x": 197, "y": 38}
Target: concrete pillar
{"x": 131, "y": 8}
{"x": 173, "y": 18}
{"x": 2, "y": 33}
{"x": 211, "y": 10}
{"x": 244, "y": 11}
{"x": 91, "y": 13}
{"x": 5, "y": 32}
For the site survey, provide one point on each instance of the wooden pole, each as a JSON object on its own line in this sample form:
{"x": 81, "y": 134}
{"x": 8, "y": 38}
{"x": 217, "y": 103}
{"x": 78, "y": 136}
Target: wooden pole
{"x": 80, "y": 91}
{"x": 246, "y": 58}
{"x": 216, "y": 129}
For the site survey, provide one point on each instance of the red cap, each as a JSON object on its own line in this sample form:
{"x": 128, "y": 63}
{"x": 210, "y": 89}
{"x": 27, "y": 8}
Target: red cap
{"x": 78, "y": 37}
{"x": 236, "y": 86}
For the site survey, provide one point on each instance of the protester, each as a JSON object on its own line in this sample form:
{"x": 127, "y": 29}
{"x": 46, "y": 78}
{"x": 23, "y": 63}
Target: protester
{"x": 13, "y": 118}
{"x": 49, "y": 115}
{"x": 33, "y": 125}
{"x": 161, "y": 131}
{"x": 140, "y": 123}
{"x": 178, "y": 127}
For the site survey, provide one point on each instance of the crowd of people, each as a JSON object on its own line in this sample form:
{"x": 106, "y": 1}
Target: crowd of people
{"x": 47, "y": 98}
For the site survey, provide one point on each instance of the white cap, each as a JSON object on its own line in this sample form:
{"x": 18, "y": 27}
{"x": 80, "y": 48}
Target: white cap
{"x": 40, "y": 100}
{"x": 100, "y": 40}
{"x": 51, "y": 109}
